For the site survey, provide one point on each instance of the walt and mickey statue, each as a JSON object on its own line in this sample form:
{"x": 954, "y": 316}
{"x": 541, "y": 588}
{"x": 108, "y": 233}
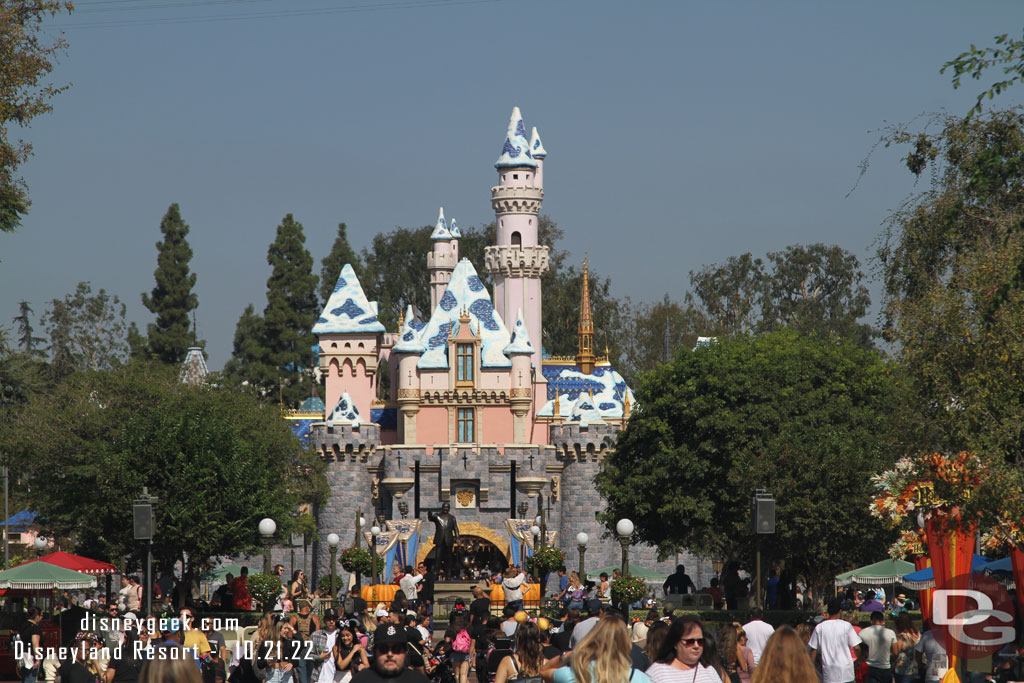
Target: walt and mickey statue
{"x": 446, "y": 535}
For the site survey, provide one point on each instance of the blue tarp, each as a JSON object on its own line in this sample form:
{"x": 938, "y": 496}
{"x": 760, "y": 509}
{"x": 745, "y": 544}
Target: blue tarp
{"x": 925, "y": 578}
{"x": 21, "y": 521}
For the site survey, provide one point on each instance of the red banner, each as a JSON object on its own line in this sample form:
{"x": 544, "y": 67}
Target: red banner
{"x": 923, "y": 562}
{"x": 951, "y": 552}
{"x": 1017, "y": 558}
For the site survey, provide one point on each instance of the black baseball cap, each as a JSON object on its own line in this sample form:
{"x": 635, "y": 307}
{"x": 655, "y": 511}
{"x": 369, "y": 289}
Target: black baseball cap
{"x": 391, "y": 633}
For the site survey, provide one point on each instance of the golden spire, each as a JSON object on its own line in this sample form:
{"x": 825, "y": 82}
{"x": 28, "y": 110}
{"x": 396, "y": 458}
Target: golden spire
{"x": 625, "y": 406}
{"x": 401, "y": 320}
{"x": 556, "y": 409}
{"x": 585, "y": 354}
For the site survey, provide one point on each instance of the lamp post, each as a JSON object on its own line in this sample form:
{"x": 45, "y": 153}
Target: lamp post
{"x": 332, "y": 543}
{"x": 40, "y": 545}
{"x": 144, "y": 523}
{"x": 624, "y": 528}
{"x": 374, "y": 532}
{"x": 267, "y": 529}
{"x": 360, "y": 523}
{"x": 581, "y": 544}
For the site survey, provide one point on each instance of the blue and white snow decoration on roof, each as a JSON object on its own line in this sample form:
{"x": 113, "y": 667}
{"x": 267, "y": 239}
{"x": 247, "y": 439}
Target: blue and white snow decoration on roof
{"x": 536, "y": 146}
{"x": 584, "y": 413}
{"x": 516, "y": 151}
{"x": 465, "y": 293}
{"x": 441, "y": 232}
{"x": 520, "y": 342}
{"x": 607, "y": 386}
{"x": 348, "y": 309}
{"x": 454, "y": 229}
{"x": 344, "y": 413}
{"x": 409, "y": 335}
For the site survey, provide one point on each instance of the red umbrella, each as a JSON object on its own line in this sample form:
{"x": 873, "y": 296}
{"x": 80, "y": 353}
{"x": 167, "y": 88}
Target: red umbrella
{"x": 76, "y": 563}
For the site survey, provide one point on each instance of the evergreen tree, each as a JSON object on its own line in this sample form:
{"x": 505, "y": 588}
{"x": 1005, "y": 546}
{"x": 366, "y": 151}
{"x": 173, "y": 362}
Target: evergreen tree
{"x": 27, "y": 341}
{"x": 247, "y": 363}
{"x": 331, "y": 265}
{"x": 292, "y": 310}
{"x": 172, "y": 299}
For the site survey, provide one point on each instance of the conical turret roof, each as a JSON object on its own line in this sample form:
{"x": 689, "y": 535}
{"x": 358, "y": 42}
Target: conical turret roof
{"x": 441, "y": 232}
{"x": 515, "y": 153}
{"x": 454, "y": 229}
{"x": 520, "y": 342}
{"x": 409, "y": 337}
{"x": 348, "y": 309}
{"x": 536, "y": 146}
{"x": 344, "y": 413}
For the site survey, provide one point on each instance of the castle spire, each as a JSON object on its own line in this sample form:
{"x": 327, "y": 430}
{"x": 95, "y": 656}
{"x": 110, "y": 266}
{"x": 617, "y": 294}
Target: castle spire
{"x": 585, "y": 355}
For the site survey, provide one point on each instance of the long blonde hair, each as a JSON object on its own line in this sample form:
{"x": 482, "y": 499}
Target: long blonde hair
{"x": 368, "y": 622}
{"x": 784, "y": 660}
{"x": 170, "y": 670}
{"x": 574, "y": 580}
{"x": 606, "y": 649}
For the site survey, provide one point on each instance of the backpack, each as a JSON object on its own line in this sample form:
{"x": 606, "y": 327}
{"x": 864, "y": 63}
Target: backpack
{"x": 461, "y": 642}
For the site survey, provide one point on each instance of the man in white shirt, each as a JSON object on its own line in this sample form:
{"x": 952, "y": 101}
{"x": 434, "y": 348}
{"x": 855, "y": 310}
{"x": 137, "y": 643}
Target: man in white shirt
{"x": 881, "y": 642}
{"x": 758, "y": 633}
{"x": 931, "y": 657}
{"x": 513, "y": 584}
{"x": 408, "y": 584}
{"x": 832, "y": 640}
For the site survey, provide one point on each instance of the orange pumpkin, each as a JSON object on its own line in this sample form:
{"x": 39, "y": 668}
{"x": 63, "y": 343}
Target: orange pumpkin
{"x": 383, "y": 592}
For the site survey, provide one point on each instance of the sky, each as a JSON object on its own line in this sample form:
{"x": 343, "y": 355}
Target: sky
{"x": 678, "y": 133}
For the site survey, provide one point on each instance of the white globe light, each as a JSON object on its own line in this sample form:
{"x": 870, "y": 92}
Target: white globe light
{"x": 40, "y": 542}
{"x": 267, "y": 526}
{"x": 624, "y": 527}
{"x": 362, "y": 521}
{"x": 333, "y": 540}
{"x": 375, "y": 530}
{"x": 536, "y": 520}
{"x": 582, "y": 538}
{"x": 535, "y": 530}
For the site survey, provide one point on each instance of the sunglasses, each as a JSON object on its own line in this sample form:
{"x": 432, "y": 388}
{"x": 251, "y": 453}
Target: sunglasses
{"x": 392, "y": 648}
{"x": 690, "y": 642}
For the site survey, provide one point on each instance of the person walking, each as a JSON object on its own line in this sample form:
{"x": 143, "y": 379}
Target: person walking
{"x": 881, "y": 642}
{"x": 679, "y": 659}
{"x": 785, "y": 660}
{"x": 831, "y": 642}
{"x": 390, "y": 659}
{"x": 758, "y": 632}
{"x": 601, "y": 657}
{"x": 905, "y": 669}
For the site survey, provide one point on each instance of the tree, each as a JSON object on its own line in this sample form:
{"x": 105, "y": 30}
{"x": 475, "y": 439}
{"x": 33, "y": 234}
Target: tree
{"x": 247, "y": 363}
{"x": 331, "y": 265}
{"x": 87, "y": 331}
{"x": 1007, "y": 55}
{"x": 217, "y": 459}
{"x": 729, "y": 296}
{"x": 805, "y": 418}
{"x": 651, "y": 333}
{"x": 563, "y": 290}
{"x": 817, "y": 289}
{"x": 172, "y": 299}
{"x": 952, "y": 262}
{"x": 395, "y": 272}
{"x": 27, "y": 341}
{"x": 27, "y": 61}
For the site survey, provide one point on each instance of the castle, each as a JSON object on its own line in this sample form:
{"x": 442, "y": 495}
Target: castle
{"x": 475, "y": 414}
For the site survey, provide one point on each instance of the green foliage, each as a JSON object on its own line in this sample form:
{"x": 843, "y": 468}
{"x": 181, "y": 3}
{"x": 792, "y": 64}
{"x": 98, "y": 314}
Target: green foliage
{"x": 395, "y": 273}
{"x": 628, "y": 589}
{"x": 264, "y": 589}
{"x": 651, "y": 333}
{"x": 1007, "y": 56}
{"x": 172, "y": 299}
{"x": 274, "y": 353}
{"x": 952, "y": 262}
{"x": 218, "y": 460}
{"x": 27, "y": 61}
{"x": 28, "y": 342}
{"x": 331, "y": 265}
{"x": 87, "y": 331}
{"x": 358, "y": 560}
{"x": 807, "y": 419}
{"x": 545, "y": 560}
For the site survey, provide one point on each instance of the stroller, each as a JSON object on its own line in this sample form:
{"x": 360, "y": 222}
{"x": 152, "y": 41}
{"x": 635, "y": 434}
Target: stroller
{"x": 439, "y": 665}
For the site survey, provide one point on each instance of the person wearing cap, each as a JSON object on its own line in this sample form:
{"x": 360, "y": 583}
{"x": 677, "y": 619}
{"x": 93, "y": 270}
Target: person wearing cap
{"x": 390, "y": 653}
{"x": 323, "y": 641}
{"x": 82, "y": 668}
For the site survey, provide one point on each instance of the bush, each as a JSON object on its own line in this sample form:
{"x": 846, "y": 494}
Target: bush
{"x": 265, "y": 589}
{"x": 545, "y": 560}
{"x": 358, "y": 560}
{"x": 628, "y": 589}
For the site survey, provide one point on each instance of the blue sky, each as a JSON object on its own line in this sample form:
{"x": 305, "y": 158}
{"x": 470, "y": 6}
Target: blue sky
{"x": 678, "y": 133}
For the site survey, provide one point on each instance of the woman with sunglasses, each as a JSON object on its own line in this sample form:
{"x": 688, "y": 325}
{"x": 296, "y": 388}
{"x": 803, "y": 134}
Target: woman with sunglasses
{"x": 679, "y": 658}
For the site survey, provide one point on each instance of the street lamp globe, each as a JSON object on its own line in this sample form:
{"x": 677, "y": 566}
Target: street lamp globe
{"x": 535, "y": 530}
{"x": 333, "y": 540}
{"x": 375, "y": 530}
{"x": 267, "y": 526}
{"x": 624, "y": 527}
{"x": 362, "y": 521}
{"x": 582, "y": 539}
{"x": 40, "y": 542}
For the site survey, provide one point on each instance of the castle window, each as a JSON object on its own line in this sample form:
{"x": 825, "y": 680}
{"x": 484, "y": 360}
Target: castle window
{"x": 515, "y": 176}
{"x": 465, "y": 424}
{"x": 464, "y": 364}
{"x": 517, "y": 239}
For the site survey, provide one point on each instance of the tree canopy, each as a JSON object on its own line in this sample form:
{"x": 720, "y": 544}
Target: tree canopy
{"x": 952, "y": 261}
{"x": 1007, "y": 56}
{"x": 87, "y": 331}
{"x": 218, "y": 460}
{"x": 808, "y": 419}
{"x": 27, "y": 61}
{"x": 172, "y": 299}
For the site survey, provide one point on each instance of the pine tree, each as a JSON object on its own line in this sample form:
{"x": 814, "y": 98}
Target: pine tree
{"x": 285, "y": 352}
{"x": 27, "y": 341}
{"x": 331, "y": 265}
{"x": 172, "y": 299}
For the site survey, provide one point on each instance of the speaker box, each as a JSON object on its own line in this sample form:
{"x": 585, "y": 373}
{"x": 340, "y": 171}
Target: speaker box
{"x": 142, "y": 517}
{"x": 764, "y": 516}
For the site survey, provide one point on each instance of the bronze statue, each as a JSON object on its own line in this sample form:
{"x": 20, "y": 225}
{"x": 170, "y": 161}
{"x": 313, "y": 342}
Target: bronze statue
{"x": 446, "y": 534}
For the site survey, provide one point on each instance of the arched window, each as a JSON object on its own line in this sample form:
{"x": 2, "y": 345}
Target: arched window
{"x": 517, "y": 239}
